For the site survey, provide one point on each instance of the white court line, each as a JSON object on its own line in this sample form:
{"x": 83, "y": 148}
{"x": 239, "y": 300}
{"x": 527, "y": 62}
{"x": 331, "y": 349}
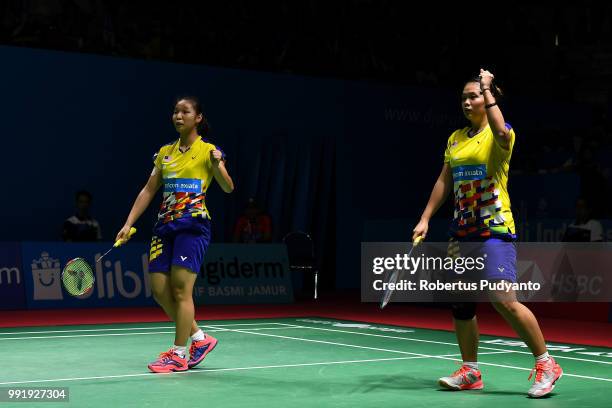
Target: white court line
{"x": 216, "y": 370}
{"x": 131, "y": 334}
{"x": 275, "y": 323}
{"x": 442, "y": 342}
{"x": 129, "y": 328}
{"x": 336, "y": 343}
{"x": 406, "y": 352}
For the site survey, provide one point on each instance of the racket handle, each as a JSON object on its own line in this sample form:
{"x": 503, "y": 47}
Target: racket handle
{"x": 123, "y": 241}
{"x": 417, "y": 240}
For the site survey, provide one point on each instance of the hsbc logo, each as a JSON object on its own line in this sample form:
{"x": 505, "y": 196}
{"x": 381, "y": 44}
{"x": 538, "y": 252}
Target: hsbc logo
{"x": 10, "y": 276}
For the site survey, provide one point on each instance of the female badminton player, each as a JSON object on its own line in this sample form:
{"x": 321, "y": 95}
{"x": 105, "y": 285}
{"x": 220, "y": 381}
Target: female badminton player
{"x": 476, "y": 163}
{"x": 185, "y": 168}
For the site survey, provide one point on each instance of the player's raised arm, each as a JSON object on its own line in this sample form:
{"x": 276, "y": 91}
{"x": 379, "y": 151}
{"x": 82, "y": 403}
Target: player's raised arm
{"x": 494, "y": 113}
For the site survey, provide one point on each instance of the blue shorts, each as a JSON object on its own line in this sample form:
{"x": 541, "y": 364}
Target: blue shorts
{"x": 499, "y": 258}
{"x": 184, "y": 246}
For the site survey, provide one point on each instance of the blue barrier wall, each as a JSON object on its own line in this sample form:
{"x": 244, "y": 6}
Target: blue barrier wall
{"x": 30, "y": 275}
{"x": 73, "y": 121}
{"x": 12, "y": 282}
{"x": 303, "y": 146}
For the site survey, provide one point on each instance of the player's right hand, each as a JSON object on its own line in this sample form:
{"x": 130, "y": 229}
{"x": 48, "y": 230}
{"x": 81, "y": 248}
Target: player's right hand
{"x": 216, "y": 156}
{"x": 421, "y": 229}
{"x": 124, "y": 234}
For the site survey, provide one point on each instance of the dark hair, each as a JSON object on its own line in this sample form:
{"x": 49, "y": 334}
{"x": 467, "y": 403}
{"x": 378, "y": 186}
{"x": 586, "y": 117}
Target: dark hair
{"x": 83, "y": 193}
{"x": 495, "y": 90}
{"x": 203, "y": 126}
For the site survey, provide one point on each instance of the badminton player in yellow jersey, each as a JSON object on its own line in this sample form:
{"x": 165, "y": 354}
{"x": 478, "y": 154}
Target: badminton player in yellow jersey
{"x": 185, "y": 168}
{"x": 476, "y": 163}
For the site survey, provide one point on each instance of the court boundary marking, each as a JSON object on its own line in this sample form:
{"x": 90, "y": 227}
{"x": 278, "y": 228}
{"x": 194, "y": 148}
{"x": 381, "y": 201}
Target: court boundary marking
{"x": 286, "y": 325}
{"x": 208, "y": 370}
{"x": 128, "y": 328}
{"x": 443, "y": 342}
{"x": 431, "y": 356}
{"x": 130, "y": 334}
{"x": 413, "y": 356}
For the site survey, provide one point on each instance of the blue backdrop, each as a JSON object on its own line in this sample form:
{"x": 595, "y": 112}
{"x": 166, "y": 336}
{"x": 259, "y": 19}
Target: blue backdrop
{"x": 321, "y": 155}
{"x": 74, "y": 121}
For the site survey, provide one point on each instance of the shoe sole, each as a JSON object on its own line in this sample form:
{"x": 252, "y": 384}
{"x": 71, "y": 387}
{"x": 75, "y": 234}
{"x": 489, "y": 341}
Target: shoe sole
{"x": 165, "y": 371}
{"x": 203, "y": 355}
{"x": 448, "y": 386}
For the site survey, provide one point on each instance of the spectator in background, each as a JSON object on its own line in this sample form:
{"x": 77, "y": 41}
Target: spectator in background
{"x": 584, "y": 229}
{"x": 82, "y": 227}
{"x": 253, "y": 226}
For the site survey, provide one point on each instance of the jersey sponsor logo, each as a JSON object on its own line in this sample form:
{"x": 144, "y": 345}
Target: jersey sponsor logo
{"x": 182, "y": 185}
{"x": 470, "y": 172}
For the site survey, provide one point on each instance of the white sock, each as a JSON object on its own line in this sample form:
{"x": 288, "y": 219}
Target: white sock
{"x": 179, "y": 350}
{"x": 543, "y": 357}
{"x": 198, "y": 336}
{"x": 472, "y": 364}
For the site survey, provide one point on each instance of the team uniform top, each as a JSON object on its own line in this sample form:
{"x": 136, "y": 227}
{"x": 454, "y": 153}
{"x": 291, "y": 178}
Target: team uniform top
{"x": 480, "y": 177}
{"x": 186, "y": 177}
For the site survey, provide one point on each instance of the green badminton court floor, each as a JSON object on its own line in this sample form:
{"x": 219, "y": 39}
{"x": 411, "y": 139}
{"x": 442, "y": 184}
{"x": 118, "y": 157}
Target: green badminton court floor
{"x": 292, "y": 362}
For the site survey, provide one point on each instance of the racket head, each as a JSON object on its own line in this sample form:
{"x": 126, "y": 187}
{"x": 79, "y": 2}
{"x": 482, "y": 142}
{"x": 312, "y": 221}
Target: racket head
{"x": 393, "y": 278}
{"x": 78, "y": 277}
{"x": 395, "y": 275}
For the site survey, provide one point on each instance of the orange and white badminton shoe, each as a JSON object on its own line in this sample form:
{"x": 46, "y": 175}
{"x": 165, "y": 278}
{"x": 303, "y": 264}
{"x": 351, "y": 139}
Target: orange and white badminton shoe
{"x": 546, "y": 375}
{"x": 465, "y": 378}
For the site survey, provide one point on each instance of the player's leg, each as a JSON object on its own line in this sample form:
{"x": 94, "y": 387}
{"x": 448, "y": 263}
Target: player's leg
{"x": 502, "y": 267}
{"x": 188, "y": 256}
{"x": 182, "y": 281}
{"x": 524, "y": 323}
{"x": 466, "y": 330}
{"x": 160, "y": 258}
{"x": 467, "y": 377}
{"x": 162, "y": 293}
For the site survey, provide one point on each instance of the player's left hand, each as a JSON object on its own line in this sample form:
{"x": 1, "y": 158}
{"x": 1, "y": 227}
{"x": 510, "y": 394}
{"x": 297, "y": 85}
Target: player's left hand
{"x": 486, "y": 78}
{"x": 216, "y": 156}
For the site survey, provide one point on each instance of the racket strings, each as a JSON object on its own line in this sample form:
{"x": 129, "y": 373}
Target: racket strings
{"x": 77, "y": 277}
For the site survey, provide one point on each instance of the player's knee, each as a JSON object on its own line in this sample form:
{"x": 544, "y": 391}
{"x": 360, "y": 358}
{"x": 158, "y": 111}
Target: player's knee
{"x": 181, "y": 293}
{"x": 464, "y": 310}
{"x": 160, "y": 293}
{"x": 506, "y": 307}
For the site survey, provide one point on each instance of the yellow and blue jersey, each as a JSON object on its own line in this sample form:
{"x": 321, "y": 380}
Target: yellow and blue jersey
{"x": 480, "y": 184}
{"x": 186, "y": 178}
